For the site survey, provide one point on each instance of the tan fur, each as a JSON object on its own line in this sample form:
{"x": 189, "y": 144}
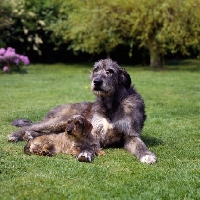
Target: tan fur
{"x": 76, "y": 137}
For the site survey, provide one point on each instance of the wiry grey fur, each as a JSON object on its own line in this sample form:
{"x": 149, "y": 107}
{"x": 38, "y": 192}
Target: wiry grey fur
{"x": 117, "y": 115}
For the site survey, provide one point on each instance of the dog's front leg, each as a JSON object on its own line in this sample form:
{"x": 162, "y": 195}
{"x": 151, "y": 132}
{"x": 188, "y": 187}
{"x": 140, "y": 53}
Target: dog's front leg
{"x": 101, "y": 125}
{"x": 86, "y": 156}
{"x": 137, "y": 147}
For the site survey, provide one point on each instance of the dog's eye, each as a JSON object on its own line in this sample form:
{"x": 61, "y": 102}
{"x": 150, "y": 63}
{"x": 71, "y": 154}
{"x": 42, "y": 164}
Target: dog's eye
{"x": 95, "y": 70}
{"x": 78, "y": 123}
{"x": 109, "y": 71}
{"x": 69, "y": 122}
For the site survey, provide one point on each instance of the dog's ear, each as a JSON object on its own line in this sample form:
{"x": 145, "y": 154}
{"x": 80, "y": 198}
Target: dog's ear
{"x": 124, "y": 78}
{"x": 87, "y": 127}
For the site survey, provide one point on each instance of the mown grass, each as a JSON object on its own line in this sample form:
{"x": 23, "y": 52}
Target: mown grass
{"x": 171, "y": 131}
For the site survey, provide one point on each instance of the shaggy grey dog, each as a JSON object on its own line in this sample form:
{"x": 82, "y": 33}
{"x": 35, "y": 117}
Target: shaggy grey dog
{"x": 117, "y": 115}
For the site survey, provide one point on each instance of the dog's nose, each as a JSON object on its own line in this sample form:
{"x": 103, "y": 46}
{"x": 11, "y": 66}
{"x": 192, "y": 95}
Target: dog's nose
{"x": 97, "y": 82}
{"x": 69, "y": 128}
{"x": 69, "y": 131}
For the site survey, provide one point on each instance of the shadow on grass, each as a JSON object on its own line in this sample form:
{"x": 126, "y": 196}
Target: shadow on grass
{"x": 148, "y": 140}
{"x": 183, "y": 65}
{"x": 190, "y": 65}
{"x": 151, "y": 141}
{"x": 21, "y": 71}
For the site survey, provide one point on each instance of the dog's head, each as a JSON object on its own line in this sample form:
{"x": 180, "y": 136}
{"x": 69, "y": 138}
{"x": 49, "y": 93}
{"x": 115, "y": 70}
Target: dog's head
{"x": 78, "y": 126}
{"x": 107, "y": 76}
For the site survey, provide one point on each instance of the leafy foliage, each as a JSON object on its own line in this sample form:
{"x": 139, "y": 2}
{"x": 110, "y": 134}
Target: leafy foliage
{"x": 160, "y": 26}
{"x": 30, "y": 19}
{"x": 91, "y": 26}
{"x": 5, "y": 17}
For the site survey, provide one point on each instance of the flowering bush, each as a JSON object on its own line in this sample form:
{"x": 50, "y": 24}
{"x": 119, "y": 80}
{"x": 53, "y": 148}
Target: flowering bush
{"x": 11, "y": 61}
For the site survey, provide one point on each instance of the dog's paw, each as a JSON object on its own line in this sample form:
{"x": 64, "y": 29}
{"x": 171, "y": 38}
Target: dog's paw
{"x": 12, "y": 138}
{"x": 148, "y": 159}
{"x": 101, "y": 153}
{"x": 28, "y": 136}
{"x": 85, "y": 156}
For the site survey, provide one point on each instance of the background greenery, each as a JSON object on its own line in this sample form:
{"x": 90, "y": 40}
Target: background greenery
{"x": 171, "y": 132}
{"x": 59, "y": 30}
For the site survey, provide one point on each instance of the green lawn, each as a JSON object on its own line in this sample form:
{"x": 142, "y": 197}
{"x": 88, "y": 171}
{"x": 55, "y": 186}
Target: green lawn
{"x": 172, "y": 132}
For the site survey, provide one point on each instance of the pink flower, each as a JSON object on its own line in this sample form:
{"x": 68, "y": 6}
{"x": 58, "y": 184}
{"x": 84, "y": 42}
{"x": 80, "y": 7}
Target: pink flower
{"x": 10, "y": 58}
{"x": 1, "y": 58}
{"x": 2, "y": 51}
{"x": 25, "y": 60}
{"x": 10, "y": 49}
{"x": 16, "y": 59}
{"x": 9, "y": 54}
{"x": 5, "y": 68}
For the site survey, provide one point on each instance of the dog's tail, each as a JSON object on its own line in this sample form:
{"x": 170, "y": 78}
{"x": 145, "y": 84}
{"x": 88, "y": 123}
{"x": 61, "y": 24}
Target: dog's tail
{"x": 21, "y": 122}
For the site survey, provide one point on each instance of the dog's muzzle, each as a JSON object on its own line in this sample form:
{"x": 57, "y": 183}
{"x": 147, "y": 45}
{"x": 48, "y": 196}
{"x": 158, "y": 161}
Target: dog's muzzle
{"x": 97, "y": 84}
{"x": 70, "y": 128}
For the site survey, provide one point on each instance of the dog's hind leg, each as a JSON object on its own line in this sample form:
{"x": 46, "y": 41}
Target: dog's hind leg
{"x": 137, "y": 147}
{"x": 53, "y": 125}
{"x": 39, "y": 148}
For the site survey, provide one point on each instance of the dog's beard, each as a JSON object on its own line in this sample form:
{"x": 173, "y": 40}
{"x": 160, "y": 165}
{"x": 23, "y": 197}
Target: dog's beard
{"x": 100, "y": 92}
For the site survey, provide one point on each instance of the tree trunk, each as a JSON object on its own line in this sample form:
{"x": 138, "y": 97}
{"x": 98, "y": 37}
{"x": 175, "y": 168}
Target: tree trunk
{"x": 155, "y": 57}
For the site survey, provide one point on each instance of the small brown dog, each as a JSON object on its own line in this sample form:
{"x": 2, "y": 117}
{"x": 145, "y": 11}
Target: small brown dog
{"x": 76, "y": 138}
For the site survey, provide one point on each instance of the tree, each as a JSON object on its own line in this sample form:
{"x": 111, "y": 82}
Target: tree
{"x": 86, "y": 27}
{"x": 5, "y": 18}
{"x": 28, "y": 20}
{"x": 158, "y": 25}
{"x": 165, "y": 25}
